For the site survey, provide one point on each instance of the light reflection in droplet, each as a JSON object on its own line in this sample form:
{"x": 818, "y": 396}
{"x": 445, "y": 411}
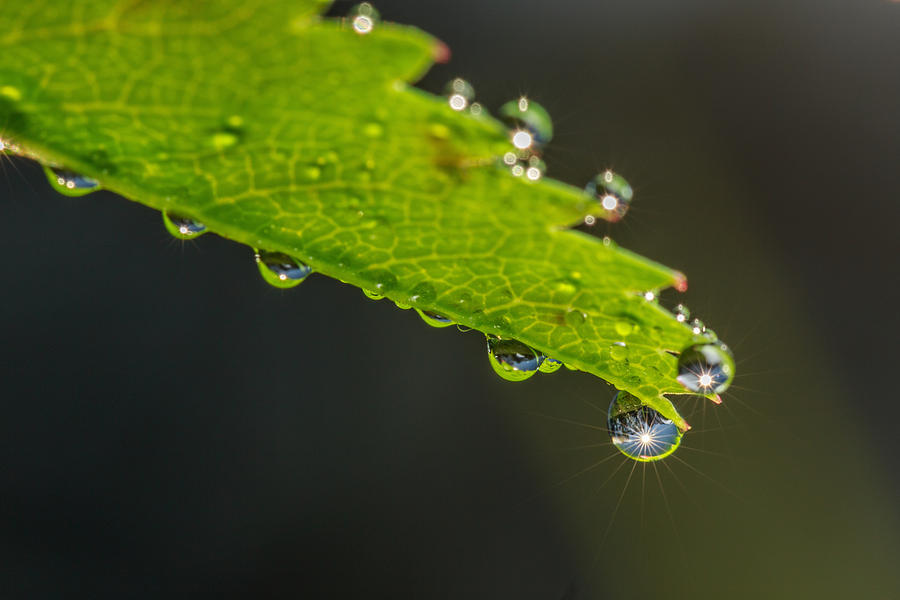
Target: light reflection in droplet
{"x": 522, "y": 139}
{"x": 609, "y": 202}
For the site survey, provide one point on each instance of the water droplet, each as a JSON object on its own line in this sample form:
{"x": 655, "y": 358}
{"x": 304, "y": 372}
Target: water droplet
{"x": 624, "y": 328}
{"x": 364, "y": 18}
{"x": 422, "y": 293}
{"x": 402, "y": 305}
{"x": 590, "y": 220}
{"x": 434, "y": 319}
{"x": 373, "y": 130}
{"x": 281, "y": 270}
{"x": 536, "y": 169}
{"x": 575, "y": 318}
{"x": 439, "y": 131}
{"x": 10, "y": 92}
{"x": 612, "y": 193}
{"x": 523, "y": 163}
{"x": 459, "y": 93}
{"x": 618, "y": 351}
{"x": 522, "y": 139}
{"x": 706, "y": 368}
{"x": 682, "y": 314}
{"x": 512, "y": 360}
{"x": 70, "y": 183}
{"x": 476, "y": 109}
{"x": 385, "y": 281}
{"x": 527, "y": 117}
{"x": 549, "y": 365}
{"x": 650, "y": 296}
{"x": 639, "y": 432}
{"x": 181, "y": 227}
{"x": 697, "y": 327}
{"x": 372, "y": 295}
{"x": 564, "y": 289}
{"x": 223, "y": 139}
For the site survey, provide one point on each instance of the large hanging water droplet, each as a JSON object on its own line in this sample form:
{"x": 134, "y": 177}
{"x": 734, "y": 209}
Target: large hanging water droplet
{"x": 280, "y": 270}
{"x": 182, "y": 227}
{"x": 706, "y": 368}
{"x": 639, "y": 432}
{"x": 529, "y": 121}
{"x": 459, "y": 93}
{"x": 549, "y": 365}
{"x": 363, "y": 17}
{"x": 612, "y": 193}
{"x": 434, "y": 319}
{"x": 70, "y": 183}
{"x": 512, "y": 360}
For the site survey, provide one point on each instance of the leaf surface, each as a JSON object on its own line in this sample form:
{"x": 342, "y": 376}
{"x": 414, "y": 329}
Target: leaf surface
{"x": 289, "y": 132}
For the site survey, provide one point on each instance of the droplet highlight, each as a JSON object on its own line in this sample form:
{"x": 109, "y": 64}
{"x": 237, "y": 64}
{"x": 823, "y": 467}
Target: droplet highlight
{"x": 69, "y": 182}
{"x": 280, "y": 270}
{"x": 640, "y": 432}
{"x": 182, "y": 227}
{"x": 460, "y": 94}
{"x": 511, "y": 359}
{"x": 363, "y": 17}
{"x": 682, "y": 314}
{"x": 706, "y": 368}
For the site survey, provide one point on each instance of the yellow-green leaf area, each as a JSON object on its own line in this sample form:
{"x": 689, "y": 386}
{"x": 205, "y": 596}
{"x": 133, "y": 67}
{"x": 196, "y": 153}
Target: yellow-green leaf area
{"x": 293, "y": 133}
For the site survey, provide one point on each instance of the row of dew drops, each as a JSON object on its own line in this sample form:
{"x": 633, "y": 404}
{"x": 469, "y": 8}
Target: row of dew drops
{"x": 637, "y": 430}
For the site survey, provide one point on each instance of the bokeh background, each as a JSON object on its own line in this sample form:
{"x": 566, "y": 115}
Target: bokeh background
{"x": 172, "y": 425}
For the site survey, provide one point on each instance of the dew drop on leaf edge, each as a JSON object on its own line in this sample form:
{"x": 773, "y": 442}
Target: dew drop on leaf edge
{"x": 612, "y": 193}
{"x": 527, "y": 116}
{"x": 434, "y": 319}
{"x": 640, "y": 432}
{"x": 706, "y": 368}
{"x": 511, "y": 359}
{"x": 459, "y": 94}
{"x": 70, "y": 183}
{"x": 280, "y": 270}
{"x": 549, "y": 365}
{"x": 363, "y": 18}
{"x": 182, "y": 227}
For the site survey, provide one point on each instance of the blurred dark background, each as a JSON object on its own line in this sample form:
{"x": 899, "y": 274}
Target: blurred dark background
{"x": 172, "y": 425}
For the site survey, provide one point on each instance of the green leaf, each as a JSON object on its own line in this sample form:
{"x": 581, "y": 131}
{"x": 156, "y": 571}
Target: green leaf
{"x": 288, "y": 132}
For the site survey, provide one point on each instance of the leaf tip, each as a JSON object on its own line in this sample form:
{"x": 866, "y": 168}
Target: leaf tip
{"x": 441, "y": 52}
